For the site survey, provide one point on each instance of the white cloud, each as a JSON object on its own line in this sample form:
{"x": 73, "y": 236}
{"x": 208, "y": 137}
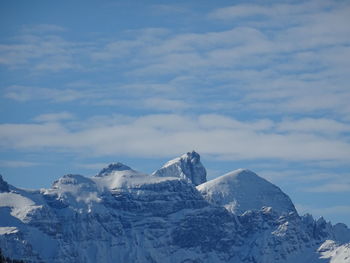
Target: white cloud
{"x": 330, "y": 187}
{"x": 171, "y": 134}
{"x": 252, "y": 69}
{"x": 17, "y": 164}
{"x": 312, "y": 125}
{"x": 41, "y": 52}
{"x": 281, "y": 14}
{"x": 25, "y": 93}
{"x": 156, "y": 97}
{"x": 220, "y": 121}
{"x": 53, "y": 117}
{"x": 263, "y": 69}
{"x": 234, "y": 12}
{"x": 116, "y": 50}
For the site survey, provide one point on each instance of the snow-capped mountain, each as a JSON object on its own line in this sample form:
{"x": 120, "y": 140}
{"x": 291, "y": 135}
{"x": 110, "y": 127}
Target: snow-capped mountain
{"x": 121, "y": 215}
{"x": 243, "y": 190}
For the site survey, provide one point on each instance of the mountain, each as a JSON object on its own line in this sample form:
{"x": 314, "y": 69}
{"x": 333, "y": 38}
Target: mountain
{"x": 243, "y": 190}
{"x": 122, "y": 215}
{"x": 187, "y": 167}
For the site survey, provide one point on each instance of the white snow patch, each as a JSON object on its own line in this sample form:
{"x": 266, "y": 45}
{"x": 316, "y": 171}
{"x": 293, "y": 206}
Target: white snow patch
{"x": 20, "y": 205}
{"x": 8, "y": 230}
{"x": 336, "y": 253}
{"x": 127, "y": 179}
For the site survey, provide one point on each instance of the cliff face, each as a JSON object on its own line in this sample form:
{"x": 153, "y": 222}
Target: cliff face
{"x": 3, "y": 185}
{"x": 187, "y": 167}
{"x": 121, "y": 215}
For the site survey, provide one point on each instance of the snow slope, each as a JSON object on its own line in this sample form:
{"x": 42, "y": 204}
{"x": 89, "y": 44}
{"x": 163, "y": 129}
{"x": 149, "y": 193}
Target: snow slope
{"x": 243, "y": 190}
{"x": 121, "y": 215}
{"x": 335, "y": 252}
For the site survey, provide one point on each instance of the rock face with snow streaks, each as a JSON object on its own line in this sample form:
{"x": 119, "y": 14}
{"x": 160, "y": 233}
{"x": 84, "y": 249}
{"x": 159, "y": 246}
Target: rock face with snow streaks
{"x": 187, "y": 167}
{"x": 121, "y": 215}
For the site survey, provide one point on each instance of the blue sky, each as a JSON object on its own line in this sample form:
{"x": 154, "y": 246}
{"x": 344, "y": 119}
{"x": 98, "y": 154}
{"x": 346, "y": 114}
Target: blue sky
{"x": 262, "y": 85}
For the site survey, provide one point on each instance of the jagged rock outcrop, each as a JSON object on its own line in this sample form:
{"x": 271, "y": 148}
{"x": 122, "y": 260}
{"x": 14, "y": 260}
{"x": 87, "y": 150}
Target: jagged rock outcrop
{"x": 187, "y": 167}
{"x": 3, "y": 185}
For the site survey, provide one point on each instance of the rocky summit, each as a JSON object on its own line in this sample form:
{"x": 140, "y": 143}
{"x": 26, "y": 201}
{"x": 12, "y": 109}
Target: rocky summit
{"x": 171, "y": 216}
{"x": 187, "y": 167}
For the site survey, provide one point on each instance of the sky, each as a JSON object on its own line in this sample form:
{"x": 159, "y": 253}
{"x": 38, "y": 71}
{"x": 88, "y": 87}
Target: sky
{"x": 262, "y": 85}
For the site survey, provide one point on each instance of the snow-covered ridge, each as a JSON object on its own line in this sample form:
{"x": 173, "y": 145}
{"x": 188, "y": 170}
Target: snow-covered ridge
{"x": 122, "y": 215}
{"x": 119, "y": 176}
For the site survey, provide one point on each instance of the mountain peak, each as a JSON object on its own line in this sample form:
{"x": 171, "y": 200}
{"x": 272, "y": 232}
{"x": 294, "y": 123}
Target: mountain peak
{"x": 242, "y": 172}
{"x": 192, "y": 155}
{"x": 112, "y": 168}
{"x": 187, "y": 166}
{"x": 242, "y": 190}
{"x": 135, "y": 217}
